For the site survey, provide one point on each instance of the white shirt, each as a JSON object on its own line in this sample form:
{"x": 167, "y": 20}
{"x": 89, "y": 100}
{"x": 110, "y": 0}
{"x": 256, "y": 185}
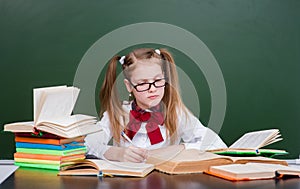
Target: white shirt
{"x": 190, "y": 131}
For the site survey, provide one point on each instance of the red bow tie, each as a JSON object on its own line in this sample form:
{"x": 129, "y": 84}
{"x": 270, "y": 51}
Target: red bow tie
{"x": 153, "y": 119}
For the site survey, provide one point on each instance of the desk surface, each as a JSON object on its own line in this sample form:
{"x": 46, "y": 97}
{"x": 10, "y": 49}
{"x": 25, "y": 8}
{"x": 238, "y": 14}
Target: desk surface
{"x": 37, "y": 178}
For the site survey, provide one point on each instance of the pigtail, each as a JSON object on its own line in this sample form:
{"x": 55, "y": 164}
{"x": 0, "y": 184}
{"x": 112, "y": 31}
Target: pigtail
{"x": 171, "y": 98}
{"x": 108, "y": 85}
{"x": 109, "y": 98}
{"x": 170, "y": 69}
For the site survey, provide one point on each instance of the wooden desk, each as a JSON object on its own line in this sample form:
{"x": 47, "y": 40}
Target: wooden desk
{"x": 38, "y": 178}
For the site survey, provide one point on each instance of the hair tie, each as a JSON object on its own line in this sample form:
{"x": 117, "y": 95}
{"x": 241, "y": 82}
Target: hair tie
{"x": 121, "y": 60}
{"x": 157, "y": 51}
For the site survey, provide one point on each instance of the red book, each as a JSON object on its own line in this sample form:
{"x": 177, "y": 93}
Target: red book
{"x": 39, "y": 134}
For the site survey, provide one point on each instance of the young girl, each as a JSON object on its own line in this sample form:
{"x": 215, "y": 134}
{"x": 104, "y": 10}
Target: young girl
{"x": 156, "y": 117}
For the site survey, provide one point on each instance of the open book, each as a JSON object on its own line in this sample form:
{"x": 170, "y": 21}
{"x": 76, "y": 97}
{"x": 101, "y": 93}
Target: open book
{"x": 53, "y": 107}
{"x": 104, "y": 167}
{"x": 252, "y": 143}
{"x": 172, "y": 161}
{"x": 252, "y": 171}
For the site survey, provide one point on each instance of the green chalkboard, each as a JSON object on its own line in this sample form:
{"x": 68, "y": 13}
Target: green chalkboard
{"x": 254, "y": 43}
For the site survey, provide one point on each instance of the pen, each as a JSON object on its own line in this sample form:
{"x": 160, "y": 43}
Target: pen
{"x": 126, "y": 137}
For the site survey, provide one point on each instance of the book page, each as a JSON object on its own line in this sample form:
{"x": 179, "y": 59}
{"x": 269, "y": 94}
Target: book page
{"x": 37, "y": 95}
{"x": 256, "y": 159}
{"x": 276, "y": 167}
{"x": 254, "y": 140}
{"x": 273, "y": 140}
{"x": 68, "y": 121}
{"x": 116, "y": 165}
{"x": 242, "y": 171}
{"x": 58, "y": 104}
{"x": 26, "y": 126}
{"x": 98, "y": 167}
{"x": 175, "y": 154}
{"x": 253, "y": 170}
{"x": 68, "y": 128}
{"x": 161, "y": 155}
{"x": 75, "y": 132}
{"x": 123, "y": 168}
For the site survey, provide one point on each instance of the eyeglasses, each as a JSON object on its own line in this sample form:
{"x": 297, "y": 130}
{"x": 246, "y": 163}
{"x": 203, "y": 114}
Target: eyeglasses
{"x": 146, "y": 86}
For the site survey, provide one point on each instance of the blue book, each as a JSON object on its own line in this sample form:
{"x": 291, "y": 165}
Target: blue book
{"x": 68, "y": 146}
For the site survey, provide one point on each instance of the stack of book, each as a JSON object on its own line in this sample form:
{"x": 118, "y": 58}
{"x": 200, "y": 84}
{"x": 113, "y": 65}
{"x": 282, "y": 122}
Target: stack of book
{"x": 47, "y": 151}
{"x": 55, "y": 137}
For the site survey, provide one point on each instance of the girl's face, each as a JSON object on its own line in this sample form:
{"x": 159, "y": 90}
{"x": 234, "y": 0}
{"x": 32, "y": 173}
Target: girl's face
{"x": 144, "y": 73}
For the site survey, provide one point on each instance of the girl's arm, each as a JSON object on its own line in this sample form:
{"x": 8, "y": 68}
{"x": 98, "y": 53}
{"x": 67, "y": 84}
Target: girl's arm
{"x": 131, "y": 153}
{"x": 195, "y": 135}
{"x": 97, "y": 145}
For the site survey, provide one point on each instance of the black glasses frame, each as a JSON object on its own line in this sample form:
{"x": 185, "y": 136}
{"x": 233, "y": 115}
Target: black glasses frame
{"x": 149, "y": 84}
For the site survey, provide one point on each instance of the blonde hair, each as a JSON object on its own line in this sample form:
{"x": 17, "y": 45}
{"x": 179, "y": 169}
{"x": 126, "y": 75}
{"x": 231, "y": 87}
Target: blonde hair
{"x": 109, "y": 96}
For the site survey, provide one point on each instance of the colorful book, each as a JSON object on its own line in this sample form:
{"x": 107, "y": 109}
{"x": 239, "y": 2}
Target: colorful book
{"x": 249, "y": 152}
{"x": 43, "y": 161}
{"x": 38, "y": 134}
{"x": 49, "y": 157}
{"x": 38, "y": 165}
{"x": 37, "y": 161}
{"x": 72, "y": 145}
{"x": 49, "y": 141}
{"x": 52, "y": 152}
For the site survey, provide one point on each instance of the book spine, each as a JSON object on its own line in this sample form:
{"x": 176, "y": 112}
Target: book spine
{"x": 38, "y": 140}
{"x": 49, "y": 157}
{"x": 52, "y": 152}
{"x": 72, "y": 145}
{"x": 38, "y": 165}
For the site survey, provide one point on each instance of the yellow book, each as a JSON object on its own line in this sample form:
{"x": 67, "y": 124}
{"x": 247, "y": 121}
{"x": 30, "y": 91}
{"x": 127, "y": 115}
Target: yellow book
{"x": 40, "y": 161}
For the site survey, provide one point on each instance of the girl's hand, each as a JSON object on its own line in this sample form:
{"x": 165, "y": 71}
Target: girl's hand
{"x": 133, "y": 154}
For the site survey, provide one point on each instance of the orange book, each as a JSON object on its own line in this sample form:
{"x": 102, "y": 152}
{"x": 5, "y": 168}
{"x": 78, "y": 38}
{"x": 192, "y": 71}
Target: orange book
{"x": 49, "y": 157}
{"x": 252, "y": 171}
{"x": 48, "y": 140}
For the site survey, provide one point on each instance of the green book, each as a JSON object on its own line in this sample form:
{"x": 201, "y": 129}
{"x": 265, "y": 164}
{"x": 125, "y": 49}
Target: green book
{"x": 252, "y": 143}
{"x": 249, "y": 152}
{"x": 38, "y": 165}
